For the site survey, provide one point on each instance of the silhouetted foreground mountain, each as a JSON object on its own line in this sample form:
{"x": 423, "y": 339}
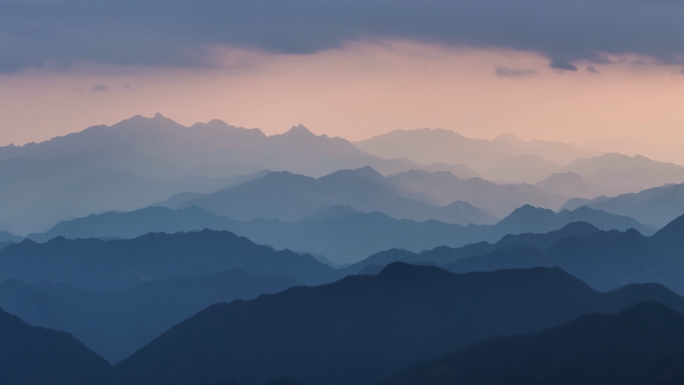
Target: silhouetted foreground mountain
{"x": 116, "y": 325}
{"x": 119, "y": 265}
{"x": 339, "y": 232}
{"x": 292, "y": 197}
{"x": 31, "y": 355}
{"x": 604, "y": 260}
{"x": 362, "y": 329}
{"x": 658, "y": 206}
{"x": 641, "y": 345}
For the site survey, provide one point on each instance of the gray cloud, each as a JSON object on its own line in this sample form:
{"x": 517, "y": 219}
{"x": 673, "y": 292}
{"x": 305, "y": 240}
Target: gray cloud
{"x": 98, "y": 88}
{"x": 58, "y": 33}
{"x": 682, "y": 72}
{"x": 592, "y": 69}
{"x": 562, "y": 65}
{"x": 504, "y": 72}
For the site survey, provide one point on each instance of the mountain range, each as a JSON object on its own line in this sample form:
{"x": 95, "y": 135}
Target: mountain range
{"x": 118, "y": 265}
{"x": 340, "y": 233}
{"x": 502, "y": 159}
{"x": 508, "y": 158}
{"x": 604, "y": 260}
{"x": 641, "y": 345}
{"x": 116, "y": 325}
{"x": 657, "y": 206}
{"x": 292, "y": 197}
{"x": 31, "y": 355}
{"x": 442, "y": 188}
{"x": 362, "y": 329}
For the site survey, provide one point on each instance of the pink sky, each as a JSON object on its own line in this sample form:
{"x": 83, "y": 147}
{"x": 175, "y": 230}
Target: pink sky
{"x": 361, "y": 90}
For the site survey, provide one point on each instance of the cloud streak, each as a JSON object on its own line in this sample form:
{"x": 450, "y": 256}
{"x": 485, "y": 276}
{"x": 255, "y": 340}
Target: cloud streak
{"x": 179, "y": 33}
{"x": 506, "y": 72}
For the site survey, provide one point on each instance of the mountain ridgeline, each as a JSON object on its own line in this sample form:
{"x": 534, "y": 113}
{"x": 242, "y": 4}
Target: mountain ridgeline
{"x": 118, "y": 265}
{"x": 341, "y": 233}
{"x": 362, "y": 329}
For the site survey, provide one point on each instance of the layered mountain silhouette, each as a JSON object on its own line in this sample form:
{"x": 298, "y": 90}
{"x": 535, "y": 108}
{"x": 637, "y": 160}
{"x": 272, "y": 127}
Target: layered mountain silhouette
{"x": 444, "y": 255}
{"x": 574, "y": 185}
{"x": 37, "y": 193}
{"x": 116, "y": 325}
{"x": 118, "y": 265}
{"x": 502, "y": 159}
{"x": 604, "y": 260}
{"x": 340, "y": 232}
{"x": 626, "y": 173}
{"x": 442, "y": 188}
{"x": 292, "y": 197}
{"x": 31, "y": 355}
{"x": 641, "y": 345}
{"x": 365, "y": 328}
{"x": 208, "y": 148}
{"x": 657, "y": 206}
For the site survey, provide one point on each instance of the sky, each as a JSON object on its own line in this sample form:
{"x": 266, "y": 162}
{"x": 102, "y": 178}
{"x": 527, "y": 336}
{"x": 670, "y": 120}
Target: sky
{"x": 540, "y": 69}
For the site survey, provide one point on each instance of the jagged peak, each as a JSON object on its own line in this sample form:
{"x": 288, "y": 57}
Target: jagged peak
{"x": 299, "y": 130}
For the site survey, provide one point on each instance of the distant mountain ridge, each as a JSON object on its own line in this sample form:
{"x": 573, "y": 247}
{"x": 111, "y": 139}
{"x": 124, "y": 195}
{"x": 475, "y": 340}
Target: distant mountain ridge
{"x": 604, "y": 260}
{"x": 118, "y": 265}
{"x": 574, "y": 185}
{"x": 501, "y": 159}
{"x": 292, "y": 197}
{"x": 626, "y": 173}
{"x": 658, "y": 206}
{"x": 206, "y": 145}
{"x": 499, "y": 199}
{"x": 340, "y": 232}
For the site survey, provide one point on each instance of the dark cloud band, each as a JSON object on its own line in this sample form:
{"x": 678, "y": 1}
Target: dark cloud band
{"x": 181, "y": 33}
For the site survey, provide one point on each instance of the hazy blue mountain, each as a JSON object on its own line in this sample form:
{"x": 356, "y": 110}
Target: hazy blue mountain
{"x": 226, "y": 170}
{"x": 291, "y": 197}
{"x": 505, "y": 158}
{"x": 362, "y": 329}
{"x": 641, "y": 345}
{"x": 116, "y": 325}
{"x": 8, "y": 237}
{"x": 442, "y": 188}
{"x": 604, "y": 260}
{"x": 444, "y": 255}
{"x": 657, "y": 206}
{"x": 626, "y": 174}
{"x": 213, "y": 148}
{"x": 35, "y": 194}
{"x": 31, "y": 355}
{"x": 338, "y": 232}
{"x": 459, "y": 170}
{"x": 574, "y": 185}
{"x": 118, "y": 265}
{"x": 182, "y": 198}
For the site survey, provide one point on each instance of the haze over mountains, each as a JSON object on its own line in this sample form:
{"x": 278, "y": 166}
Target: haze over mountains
{"x": 214, "y": 254}
{"x": 341, "y": 233}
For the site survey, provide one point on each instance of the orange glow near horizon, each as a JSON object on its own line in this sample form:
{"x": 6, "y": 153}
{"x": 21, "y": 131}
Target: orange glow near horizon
{"x": 359, "y": 91}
